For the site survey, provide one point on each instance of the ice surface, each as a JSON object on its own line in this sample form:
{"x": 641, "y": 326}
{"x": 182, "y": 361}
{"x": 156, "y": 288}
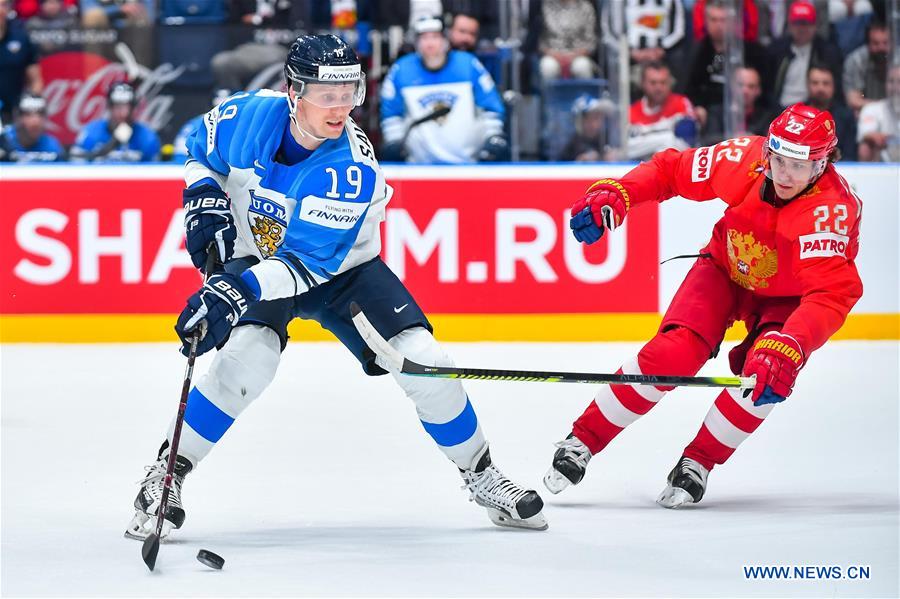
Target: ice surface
{"x": 329, "y": 486}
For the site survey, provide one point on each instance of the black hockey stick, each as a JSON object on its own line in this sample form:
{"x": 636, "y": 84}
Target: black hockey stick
{"x": 150, "y": 548}
{"x": 437, "y": 113}
{"x": 397, "y": 361}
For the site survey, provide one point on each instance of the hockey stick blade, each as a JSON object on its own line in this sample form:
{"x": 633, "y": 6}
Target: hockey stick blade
{"x": 396, "y": 361}
{"x": 150, "y": 550}
{"x": 378, "y": 344}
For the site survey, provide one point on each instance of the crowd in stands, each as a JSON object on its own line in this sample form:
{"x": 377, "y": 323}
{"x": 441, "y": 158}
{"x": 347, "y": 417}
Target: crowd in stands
{"x": 444, "y": 84}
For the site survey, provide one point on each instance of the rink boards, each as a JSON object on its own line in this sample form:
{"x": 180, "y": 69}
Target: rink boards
{"x": 95, "y": 254}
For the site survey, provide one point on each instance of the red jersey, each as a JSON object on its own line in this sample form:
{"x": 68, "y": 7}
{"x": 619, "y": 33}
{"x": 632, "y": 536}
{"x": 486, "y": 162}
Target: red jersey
{"x": 652, "y": 130}
{"x": 676, "y": 106}
{"x": 804, "y": 248}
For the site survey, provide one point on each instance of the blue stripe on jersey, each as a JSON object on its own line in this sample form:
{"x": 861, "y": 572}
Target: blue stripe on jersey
{"x": 204, "y": 417}
{"x": 456, "y": 431}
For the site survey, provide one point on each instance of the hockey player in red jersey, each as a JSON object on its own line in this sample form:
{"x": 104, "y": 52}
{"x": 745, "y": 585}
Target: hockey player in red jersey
{"x": 781, "y": 260}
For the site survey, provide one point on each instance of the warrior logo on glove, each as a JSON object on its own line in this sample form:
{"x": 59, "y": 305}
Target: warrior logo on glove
{"x": 776, "y": 360}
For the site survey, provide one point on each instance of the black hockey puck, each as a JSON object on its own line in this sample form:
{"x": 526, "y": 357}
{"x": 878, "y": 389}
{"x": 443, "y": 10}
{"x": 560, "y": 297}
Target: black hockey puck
{"x": 208, "y": 558}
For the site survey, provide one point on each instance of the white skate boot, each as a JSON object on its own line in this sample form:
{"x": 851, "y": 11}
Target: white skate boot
{"x": 148, "y": 498}
{"x": 507, "y": 503}
{"x": 687, "y": 483}
{"x": 569, "y": 464}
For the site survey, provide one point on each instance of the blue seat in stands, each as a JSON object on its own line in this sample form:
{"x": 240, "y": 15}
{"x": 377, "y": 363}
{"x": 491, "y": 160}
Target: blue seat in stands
{"x": 559, "y": 124}
{"x": 192, "y": 12}
{"x": 191, "y": 47}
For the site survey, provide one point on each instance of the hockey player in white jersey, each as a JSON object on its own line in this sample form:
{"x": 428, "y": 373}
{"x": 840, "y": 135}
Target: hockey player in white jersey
{"x": 287, "y": 188}
{"x": 452, "y": 83}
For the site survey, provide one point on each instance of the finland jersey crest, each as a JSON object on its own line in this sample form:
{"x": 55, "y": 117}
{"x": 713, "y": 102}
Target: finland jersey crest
{"x": 268, "y": 222}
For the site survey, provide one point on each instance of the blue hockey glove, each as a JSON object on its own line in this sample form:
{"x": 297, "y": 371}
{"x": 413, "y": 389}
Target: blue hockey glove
{"x": 215, "y": 309}
{"x": 208, "y": 220}
{"x": 394, "y": 151}
{"x": 495, "y": 149}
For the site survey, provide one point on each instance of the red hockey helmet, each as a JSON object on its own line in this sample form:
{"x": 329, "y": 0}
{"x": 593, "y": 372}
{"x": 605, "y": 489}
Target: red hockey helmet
{"x": 802, "y": 132}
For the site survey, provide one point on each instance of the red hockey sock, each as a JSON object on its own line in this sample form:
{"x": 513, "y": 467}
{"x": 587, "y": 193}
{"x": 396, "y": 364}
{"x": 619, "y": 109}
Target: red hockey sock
{"x": 676, "y": 352}
{"x": 730, "y": 420}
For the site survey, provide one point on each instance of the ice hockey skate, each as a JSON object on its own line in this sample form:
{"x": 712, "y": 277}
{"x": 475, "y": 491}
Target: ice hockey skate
{"x": 569, "y": 464}
{"x": 687, "y": 483}
{"x": 148, "y": 498}
{"x": 507, "y": 503}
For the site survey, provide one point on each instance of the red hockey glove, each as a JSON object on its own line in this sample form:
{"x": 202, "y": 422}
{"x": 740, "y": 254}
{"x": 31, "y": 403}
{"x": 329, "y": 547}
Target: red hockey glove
{"x": 602, "y": 207}
{"x": 776, "y": 360}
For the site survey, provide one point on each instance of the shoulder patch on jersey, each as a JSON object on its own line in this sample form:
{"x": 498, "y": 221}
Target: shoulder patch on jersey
{"x": 823, "y": 245}
{"x": 702, "y": 166}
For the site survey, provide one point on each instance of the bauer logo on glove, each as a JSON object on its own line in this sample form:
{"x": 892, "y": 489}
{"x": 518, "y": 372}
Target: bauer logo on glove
{"x": 208, "y": 221}
{"x": 215, "y": 309}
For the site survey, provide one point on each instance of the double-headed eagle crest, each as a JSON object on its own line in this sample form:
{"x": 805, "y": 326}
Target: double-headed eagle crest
{"x": 752, "y": 262}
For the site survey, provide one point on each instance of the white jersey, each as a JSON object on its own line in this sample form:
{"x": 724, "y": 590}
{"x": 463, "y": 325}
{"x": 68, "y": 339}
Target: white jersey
{"x": 410, "y": 92}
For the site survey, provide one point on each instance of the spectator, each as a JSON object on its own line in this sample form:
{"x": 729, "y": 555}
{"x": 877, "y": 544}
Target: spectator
{"x": 117, "y": 138}
{"x": 706, "y": 75}
{"x": 589, "y": 141}
{"x": 26, "y": 139}
{"x": 838, "y": 10}
{"x": 655, "y": 32}
{"x": 793, "y": 54}
{"x": 879, "y": 124}
{"x": 233, "y": 69}
{"x": 823, "y": 95}
{"x": 757, "y": 116}
{"x": 750, "y": 19}
{"x": 568, "y": 39}
{"x": 865, "y": 69}
{"x": 486, "y": 12}
{"x": 463, "y": 32}
{"x": 660, "y": 119}
{"x": 53, "y": 14}
{"x": 848, "y": 20}
{"x": 102, "y": 14}
{"x": 179, "y": 146}
{"x": 19, "y": 68}
{"x": 436, "y": 80}
{"x": 26, "y": 9}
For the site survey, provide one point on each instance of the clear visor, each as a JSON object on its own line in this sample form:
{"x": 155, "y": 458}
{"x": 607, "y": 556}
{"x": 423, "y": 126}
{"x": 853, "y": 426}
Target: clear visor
{"x": 793, "y": 171}
{"x": 332, "y": 95}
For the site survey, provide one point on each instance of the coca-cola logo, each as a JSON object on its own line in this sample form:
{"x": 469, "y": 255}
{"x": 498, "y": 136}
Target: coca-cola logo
{"x": 76, "y": 85}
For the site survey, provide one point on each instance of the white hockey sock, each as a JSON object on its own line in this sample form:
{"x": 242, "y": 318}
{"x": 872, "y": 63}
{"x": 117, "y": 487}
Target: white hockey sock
{"x": 239, "y": 373}
{"x": 442, "y": 404}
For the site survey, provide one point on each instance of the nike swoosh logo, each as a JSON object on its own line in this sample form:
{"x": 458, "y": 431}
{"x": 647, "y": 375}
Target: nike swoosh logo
{"x": 400, "y": 309}
{"x": 258, "y": 165}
